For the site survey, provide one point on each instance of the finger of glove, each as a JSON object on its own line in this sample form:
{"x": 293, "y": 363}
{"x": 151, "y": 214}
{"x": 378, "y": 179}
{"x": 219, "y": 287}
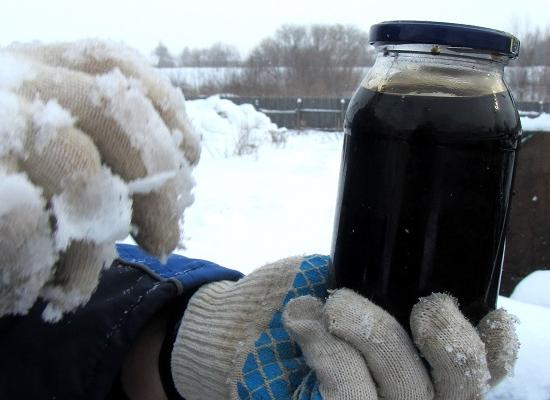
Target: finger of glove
{"x": 76, "y": 277}
{"x": 390, "y": 354}
{"x": 55, "y": 151}
{"x": 98, "y": 57}
{"x": 27, "y": 251}
{"x": 498, "y": 331}
{"x": 452, "y": 346}
{"x": 132, "y": 140}
{"x": 340, "y": 369}
{"x": 157, "y": 227}
{"x": 87, "y": 201}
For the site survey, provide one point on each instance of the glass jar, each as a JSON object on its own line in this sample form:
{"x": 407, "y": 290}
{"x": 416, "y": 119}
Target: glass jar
{"x": 430, "y": 147}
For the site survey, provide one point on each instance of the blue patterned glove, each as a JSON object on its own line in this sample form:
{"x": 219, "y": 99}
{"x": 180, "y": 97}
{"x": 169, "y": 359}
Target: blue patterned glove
{"x": 275, "y": 335}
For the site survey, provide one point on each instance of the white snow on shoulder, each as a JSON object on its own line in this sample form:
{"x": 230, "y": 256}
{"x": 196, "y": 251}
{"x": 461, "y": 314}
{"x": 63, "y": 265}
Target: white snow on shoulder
{"x": 537, "y": 124}
{"x": 533, "y": 289}
{"x": 229, "y": 129}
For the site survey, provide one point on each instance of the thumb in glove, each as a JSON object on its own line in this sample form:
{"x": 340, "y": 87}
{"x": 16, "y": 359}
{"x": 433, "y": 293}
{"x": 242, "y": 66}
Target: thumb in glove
{"x": 340, "y": 370}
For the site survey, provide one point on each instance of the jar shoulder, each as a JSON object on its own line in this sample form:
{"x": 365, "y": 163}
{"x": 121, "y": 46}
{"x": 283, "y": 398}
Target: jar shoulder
{"x": 433, "y": 117}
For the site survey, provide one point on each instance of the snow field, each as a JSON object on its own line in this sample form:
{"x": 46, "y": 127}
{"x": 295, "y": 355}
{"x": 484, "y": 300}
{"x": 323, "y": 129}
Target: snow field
{"x": 539, "y": 124}
{"x": 262, "y": 207}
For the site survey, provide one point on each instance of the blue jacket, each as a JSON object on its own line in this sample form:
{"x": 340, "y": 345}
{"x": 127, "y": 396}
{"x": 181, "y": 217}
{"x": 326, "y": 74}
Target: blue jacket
{"x": 80, "y": 356}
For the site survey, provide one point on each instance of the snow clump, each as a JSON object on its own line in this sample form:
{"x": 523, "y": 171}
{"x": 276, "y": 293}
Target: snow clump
{"x": 229, "y": 129}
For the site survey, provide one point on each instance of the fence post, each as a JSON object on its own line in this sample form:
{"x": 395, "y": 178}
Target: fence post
{"x": 342, "y": 113}
{"x": 298, "y": 113}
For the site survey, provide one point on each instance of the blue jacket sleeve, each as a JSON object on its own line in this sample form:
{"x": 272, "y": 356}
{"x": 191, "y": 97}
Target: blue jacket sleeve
{"x": 187, "y": 273}
{"x": 80, "y": 356}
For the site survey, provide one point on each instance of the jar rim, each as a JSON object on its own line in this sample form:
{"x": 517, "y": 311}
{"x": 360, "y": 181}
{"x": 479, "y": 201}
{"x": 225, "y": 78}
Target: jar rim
{"x": 445, "y": 33}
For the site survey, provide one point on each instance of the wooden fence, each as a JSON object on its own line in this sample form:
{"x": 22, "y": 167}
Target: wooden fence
{"x": 326, "y": 113}
{"x": 528, "y": 239}
{"x": 300, "y": 113}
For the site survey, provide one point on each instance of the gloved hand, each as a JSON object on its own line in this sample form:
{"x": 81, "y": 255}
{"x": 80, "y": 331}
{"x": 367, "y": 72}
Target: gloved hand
{"x": 93, "y": 144}
{"x": 269, "y": 336}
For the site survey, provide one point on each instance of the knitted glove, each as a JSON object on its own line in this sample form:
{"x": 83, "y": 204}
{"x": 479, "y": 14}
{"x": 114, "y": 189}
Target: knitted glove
{"x": 270, "y": 336}
{"x": 92, "y": 140}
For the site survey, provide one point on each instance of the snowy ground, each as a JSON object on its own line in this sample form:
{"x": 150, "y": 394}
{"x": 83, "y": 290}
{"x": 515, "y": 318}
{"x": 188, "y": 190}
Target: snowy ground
{"x": 258, "y": 208}
{"x": 279, "y": 201}
{"x": 540, "y": 123}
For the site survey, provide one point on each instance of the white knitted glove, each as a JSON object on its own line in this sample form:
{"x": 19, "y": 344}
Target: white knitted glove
{"x": 269, "y": 336}
{"x": 91, "y": 140}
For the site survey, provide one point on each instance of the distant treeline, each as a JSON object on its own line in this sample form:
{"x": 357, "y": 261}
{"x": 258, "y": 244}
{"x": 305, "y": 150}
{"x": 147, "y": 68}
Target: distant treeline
{"x": 320, "y": 60}
{"x": 296, "y": 60}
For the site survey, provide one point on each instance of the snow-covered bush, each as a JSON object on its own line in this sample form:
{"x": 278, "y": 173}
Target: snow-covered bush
{"x": 229, "y": 129}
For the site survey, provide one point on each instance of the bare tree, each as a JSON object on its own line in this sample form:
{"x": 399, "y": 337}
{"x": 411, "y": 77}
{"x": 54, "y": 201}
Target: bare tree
{"x": 314, "y": 60}
{"x": 529, "y": 75}
{"x": 165, "y": 59}
{"x": 218, "y": 55}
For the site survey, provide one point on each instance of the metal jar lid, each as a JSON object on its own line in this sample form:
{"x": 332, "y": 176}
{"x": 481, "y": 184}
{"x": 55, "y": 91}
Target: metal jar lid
{"x": 444, "y": 33}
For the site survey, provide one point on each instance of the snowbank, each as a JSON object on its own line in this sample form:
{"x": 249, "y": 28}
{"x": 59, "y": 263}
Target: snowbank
{"x": 531, "y": 379}
{"x": 229, "y": 129}
{"x": 197, "y": 77}
{"x": 533, "y": 289}
{"x": 537, "y": 124}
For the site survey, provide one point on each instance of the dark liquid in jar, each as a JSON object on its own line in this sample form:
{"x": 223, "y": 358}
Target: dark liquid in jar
{"x": 423, "y": 200}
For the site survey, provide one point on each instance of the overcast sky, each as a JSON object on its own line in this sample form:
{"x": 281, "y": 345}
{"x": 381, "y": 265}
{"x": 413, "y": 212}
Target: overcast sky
{"x": 243, "y": 23}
